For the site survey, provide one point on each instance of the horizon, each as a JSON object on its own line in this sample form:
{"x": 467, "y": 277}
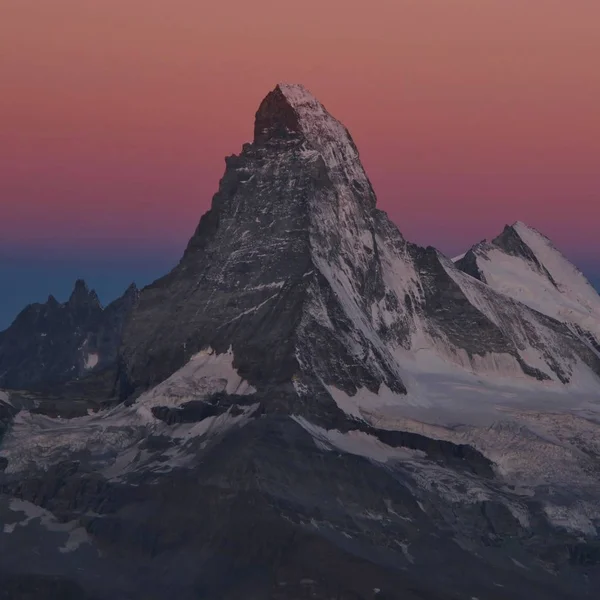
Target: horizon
{"x": 29, "y": 276}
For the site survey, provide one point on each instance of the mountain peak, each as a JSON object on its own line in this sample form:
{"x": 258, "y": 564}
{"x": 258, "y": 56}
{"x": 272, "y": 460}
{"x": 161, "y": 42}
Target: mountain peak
{"x": 520, "y": 239}
{"x": 296, "y": 93}
{"x": 511, "y": 241}
{"x": 290, "y": 111}
{"x": 521, "y": 262}
{"x": 80, "y": 286}
{"x": 132, "y": 290}
{"x": 521, "y": 228}
{"x": 81, "y": 295}
{"x": 52, "y": 301}
{"x": 276, "y": 118}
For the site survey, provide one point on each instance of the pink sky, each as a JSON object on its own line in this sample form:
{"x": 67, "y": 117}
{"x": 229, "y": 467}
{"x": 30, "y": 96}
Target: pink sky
{"x": 116, "y": 115}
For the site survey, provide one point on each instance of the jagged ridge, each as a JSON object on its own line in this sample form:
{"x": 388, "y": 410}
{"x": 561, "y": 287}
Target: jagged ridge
{"x": 53, "y": 342}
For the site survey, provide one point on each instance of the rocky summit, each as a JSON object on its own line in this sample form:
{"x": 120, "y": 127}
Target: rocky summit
{"x": 308, "y": 406}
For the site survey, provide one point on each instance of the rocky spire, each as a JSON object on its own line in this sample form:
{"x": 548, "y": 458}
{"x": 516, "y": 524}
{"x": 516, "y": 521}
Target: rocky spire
{"x": 52, "y": 301}
{"x": 290, "y": 112}
{"x": 83, "y": 296}
{"x": 275, "y": 118}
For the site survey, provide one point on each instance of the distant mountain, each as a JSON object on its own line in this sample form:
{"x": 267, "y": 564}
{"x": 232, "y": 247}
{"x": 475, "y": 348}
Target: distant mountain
{"x": 310, "y": 406}
{"x": 55, "y": 342}
{"x": 523, "y": 264}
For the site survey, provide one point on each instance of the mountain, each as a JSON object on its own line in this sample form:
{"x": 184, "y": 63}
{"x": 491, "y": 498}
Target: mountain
{"x": 55, "y": 342}
{"x": 296, "y": 271}
{"x": 524, "y": 264}
{"x": 313, "y": 407}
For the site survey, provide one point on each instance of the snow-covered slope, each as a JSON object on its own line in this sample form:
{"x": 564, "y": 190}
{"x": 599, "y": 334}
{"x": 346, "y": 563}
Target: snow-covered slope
{"x": 523, "y": 264}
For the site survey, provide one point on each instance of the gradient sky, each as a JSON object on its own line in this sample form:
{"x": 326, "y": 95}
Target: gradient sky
{"x": 115, "y": 117}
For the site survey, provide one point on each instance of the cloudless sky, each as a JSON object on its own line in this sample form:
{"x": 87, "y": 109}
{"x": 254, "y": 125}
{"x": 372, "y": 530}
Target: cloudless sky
{"x": 115, "y": 117}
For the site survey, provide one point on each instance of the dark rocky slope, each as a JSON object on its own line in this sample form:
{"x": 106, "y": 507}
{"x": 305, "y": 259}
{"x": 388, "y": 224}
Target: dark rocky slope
{"x": 52, "y": 343}
{"x": 265, "y": 513}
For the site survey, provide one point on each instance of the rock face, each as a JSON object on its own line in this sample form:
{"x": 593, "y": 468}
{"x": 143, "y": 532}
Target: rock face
{"x": 313, "y": 407}
{"x": 52, "y": 342}
{"x": 293, "y": 208}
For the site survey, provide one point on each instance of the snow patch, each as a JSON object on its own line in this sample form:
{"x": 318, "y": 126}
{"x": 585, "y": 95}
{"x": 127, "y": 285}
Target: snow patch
{"x": 37, "y": 441}
{"x": 76, "y": 535}
{"x": 570, "y": 518}
{"x": 214, "y": 424}
{"x": 365, "y": 400}
{"x": 180, "y": 455}
{"x": 205, "y": 373}
{"x": 91, "y": 360}
{"x": 356, "y": 442}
